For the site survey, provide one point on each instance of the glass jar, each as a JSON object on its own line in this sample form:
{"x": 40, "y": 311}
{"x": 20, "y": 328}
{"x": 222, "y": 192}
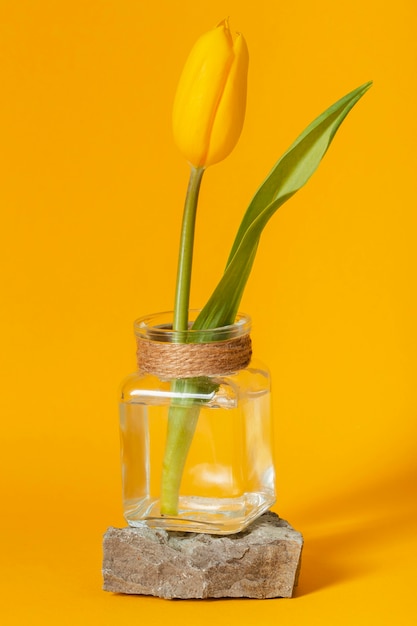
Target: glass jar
{"x": 196, "y": 429}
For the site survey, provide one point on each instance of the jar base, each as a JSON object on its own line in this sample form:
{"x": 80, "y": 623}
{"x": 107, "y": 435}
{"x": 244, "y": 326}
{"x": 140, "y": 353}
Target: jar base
{"x": 215, "y": 516}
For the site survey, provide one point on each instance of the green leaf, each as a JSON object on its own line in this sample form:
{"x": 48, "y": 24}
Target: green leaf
{"x": 289, "y": 174}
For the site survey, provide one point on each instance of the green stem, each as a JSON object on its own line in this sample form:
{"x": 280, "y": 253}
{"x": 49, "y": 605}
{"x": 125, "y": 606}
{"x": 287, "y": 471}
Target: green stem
{"x": 183, "y": 413}
{"x": 182, "y": 422}
{"x": 185, "y": 259}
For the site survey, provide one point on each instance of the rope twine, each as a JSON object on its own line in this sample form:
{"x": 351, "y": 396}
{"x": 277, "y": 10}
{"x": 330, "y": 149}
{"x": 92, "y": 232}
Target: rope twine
{"x": 188, "y": 360}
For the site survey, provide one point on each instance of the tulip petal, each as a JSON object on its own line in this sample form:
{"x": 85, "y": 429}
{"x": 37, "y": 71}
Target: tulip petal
{"x": 199, "y": 90}
{"x": 230, "y": 114}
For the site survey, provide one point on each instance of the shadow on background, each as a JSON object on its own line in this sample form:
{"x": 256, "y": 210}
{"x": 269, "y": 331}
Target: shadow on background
{"x": 346, "y": 537}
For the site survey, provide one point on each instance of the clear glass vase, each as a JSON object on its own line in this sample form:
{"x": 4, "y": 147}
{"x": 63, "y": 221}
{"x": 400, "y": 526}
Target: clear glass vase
{"x": 196, "y": 429}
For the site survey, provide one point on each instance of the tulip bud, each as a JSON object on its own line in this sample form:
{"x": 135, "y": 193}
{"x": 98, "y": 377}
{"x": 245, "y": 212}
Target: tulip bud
{"x": 210, "y": 103}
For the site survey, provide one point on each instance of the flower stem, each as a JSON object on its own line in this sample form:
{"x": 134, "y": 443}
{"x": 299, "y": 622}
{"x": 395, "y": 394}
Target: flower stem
{"x": 182, "y": 421}
{"x": 185, "y": 259}
{"x": 183, "y": 413}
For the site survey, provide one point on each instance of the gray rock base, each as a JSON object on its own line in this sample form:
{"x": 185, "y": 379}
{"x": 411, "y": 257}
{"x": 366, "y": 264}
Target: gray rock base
{"x": 261, "y": 562}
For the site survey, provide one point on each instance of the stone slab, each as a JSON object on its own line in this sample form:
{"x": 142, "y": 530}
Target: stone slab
{"x": 261, "y": 562}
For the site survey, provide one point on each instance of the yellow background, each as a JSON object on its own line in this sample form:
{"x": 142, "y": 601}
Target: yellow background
{"x": 91, "y": 196}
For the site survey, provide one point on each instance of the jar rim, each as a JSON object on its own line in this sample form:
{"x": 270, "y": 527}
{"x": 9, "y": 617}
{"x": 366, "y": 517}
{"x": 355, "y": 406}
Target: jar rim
{"x": 158, "y": 326}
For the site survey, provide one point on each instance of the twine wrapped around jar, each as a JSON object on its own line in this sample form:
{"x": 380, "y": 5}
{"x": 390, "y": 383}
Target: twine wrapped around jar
{"x": 186, "y": 360}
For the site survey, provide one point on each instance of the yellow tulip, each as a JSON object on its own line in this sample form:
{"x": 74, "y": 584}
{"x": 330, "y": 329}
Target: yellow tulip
{"x": 210, "y": 103}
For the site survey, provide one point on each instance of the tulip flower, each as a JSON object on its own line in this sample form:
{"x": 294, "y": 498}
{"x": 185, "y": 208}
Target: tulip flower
{"x": 209, "y": 106}
{"x": 208, "y": 115}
